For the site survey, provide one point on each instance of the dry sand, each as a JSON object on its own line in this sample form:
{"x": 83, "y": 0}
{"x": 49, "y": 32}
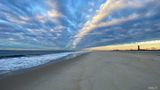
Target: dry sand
{"x": 94, "y": 71}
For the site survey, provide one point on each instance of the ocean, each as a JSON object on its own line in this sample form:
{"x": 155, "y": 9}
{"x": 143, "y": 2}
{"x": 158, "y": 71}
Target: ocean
{"x": 13, "y": 63}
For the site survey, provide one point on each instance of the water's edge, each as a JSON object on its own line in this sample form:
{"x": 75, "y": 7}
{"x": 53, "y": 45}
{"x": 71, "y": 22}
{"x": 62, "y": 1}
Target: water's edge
{"x": 68, "y": 56}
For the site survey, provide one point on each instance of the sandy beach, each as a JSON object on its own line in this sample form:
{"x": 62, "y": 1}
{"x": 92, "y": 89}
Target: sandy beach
{"x": 93, "y": 71}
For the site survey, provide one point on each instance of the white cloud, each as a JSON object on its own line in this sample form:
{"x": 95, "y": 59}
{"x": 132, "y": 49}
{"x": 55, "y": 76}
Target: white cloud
{"x": 57, "y": 29}
{"x": 105, "y": 10}
{"x": 53, "y": 14}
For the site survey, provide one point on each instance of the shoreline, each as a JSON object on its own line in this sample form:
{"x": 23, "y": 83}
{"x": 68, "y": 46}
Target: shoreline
{"x": 58, "y": 60}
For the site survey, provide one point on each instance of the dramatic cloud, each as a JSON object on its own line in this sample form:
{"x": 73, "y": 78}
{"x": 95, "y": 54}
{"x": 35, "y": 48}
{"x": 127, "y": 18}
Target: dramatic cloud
{"x": 114, "y": 6}
{"x": 74, "y": 24}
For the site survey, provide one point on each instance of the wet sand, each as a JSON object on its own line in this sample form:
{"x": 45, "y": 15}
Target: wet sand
{"x": 93, "y": 71}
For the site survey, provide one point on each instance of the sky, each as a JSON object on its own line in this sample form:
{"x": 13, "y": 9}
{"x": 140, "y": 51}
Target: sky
{"x": 147, "y": 45}
{"x": 77, "y": 24}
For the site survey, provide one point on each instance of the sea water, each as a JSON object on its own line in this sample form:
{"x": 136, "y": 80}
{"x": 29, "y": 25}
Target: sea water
{"x": 10, "y": 65}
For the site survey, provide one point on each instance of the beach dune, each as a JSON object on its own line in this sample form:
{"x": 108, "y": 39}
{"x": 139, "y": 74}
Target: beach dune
{"x": 93, "y": 71}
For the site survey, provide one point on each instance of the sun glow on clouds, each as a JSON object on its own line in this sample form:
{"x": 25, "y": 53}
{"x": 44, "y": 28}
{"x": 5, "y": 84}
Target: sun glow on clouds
{"x": 74, "y": 24}
{"x": 147, "y": 45}
{"x": 105, "y": 10}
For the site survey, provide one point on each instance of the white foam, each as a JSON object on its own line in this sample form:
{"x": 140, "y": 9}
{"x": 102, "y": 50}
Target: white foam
{"x": 20, "y": 63}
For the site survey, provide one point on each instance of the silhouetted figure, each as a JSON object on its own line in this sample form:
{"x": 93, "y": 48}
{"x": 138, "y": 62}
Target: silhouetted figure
{"x": 139, "y": 48}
